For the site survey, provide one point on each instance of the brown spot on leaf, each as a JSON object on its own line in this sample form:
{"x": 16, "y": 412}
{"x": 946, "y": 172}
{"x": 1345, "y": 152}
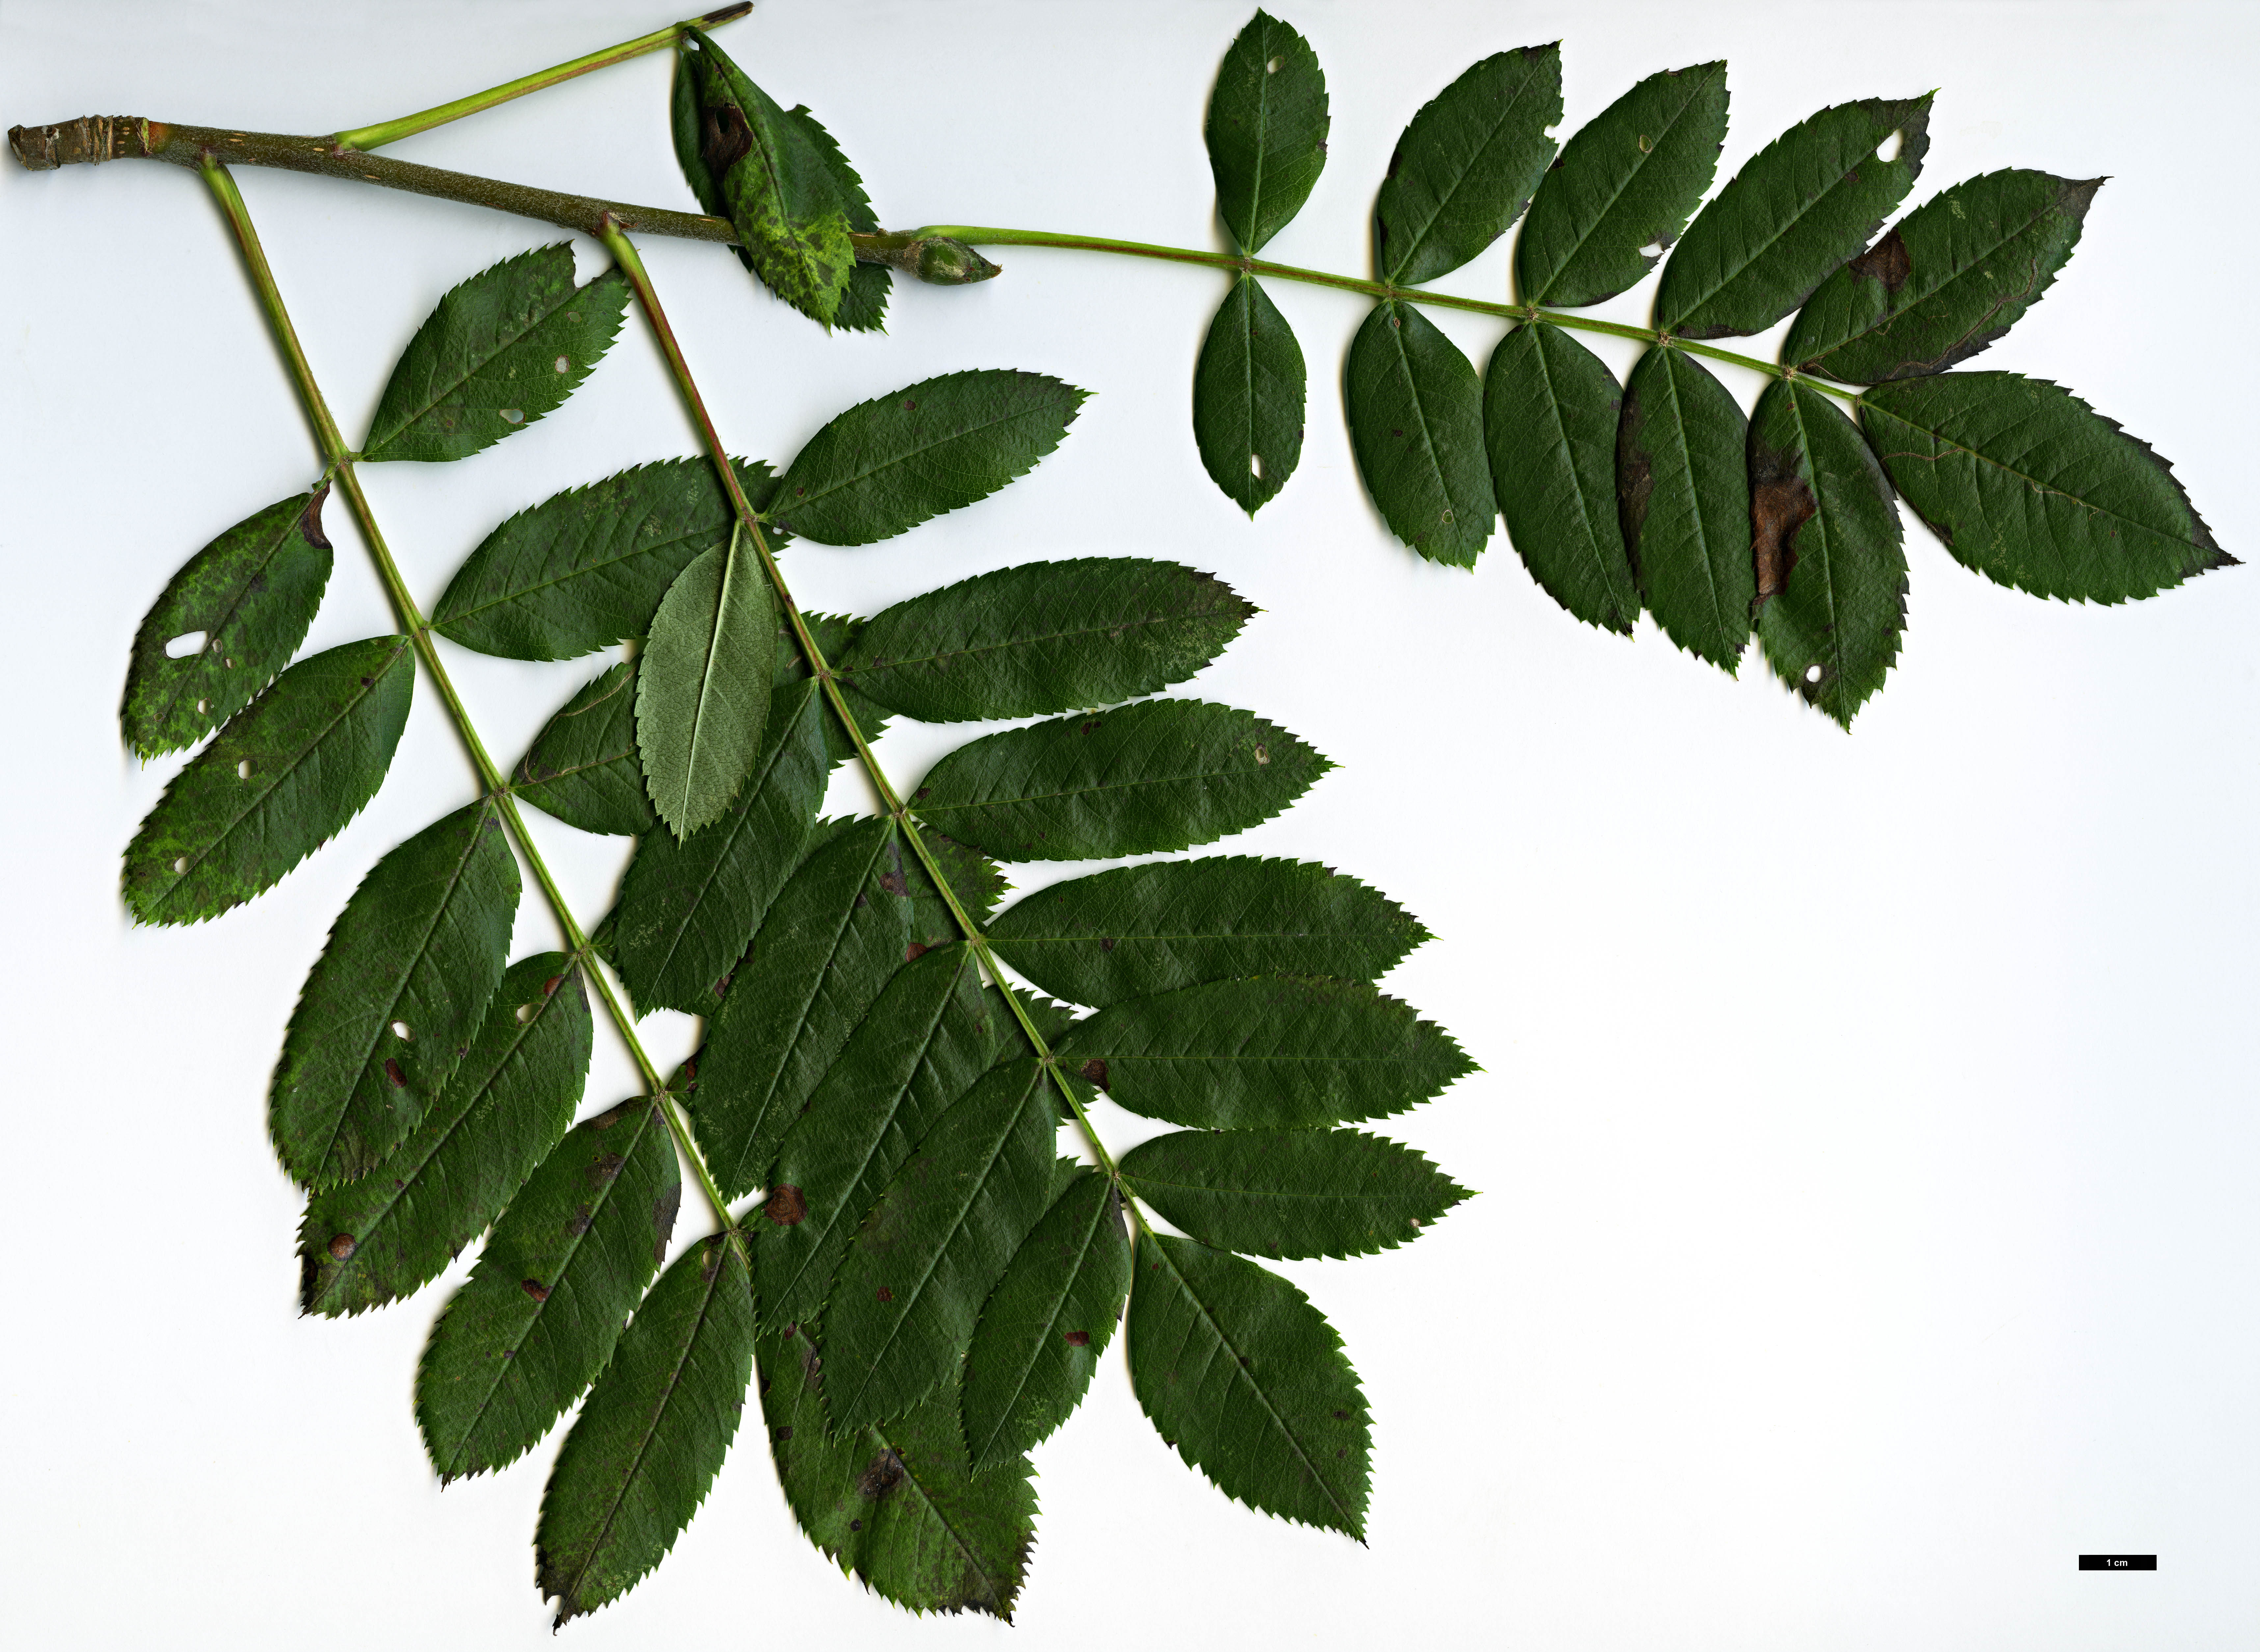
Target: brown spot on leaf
{"x": 662, "y": 1218}
{"x": 725, "y": 138}
{"x": 1079, "y": 1338}
{"x": 894, "y": 884}
{"x": 551, "y": 984}
{"x": 1341, "y": 1416}
{"x": 881, "y": 1476}
{"x": 392, "y": 1071}
{"x": 885, "y": 1295}
{"x": 1106, "y": 943}
{"x": 784, "y": 1434}
{"x": 1635, "y": 475}
{"x": 343, "y": 1247}
{"x": 1095, "y": 1071}
{"x": 1886, "y": 261}
{"x": 310, "y": 525}
{"x": 1780, "y": 503}
{"x": 604, "y": 1167}
{"x": 535, "y": 1289}
{"x": 915, "y": 951}
{"x": 577, "y": 1223}
{"x": 788, "y": 1207}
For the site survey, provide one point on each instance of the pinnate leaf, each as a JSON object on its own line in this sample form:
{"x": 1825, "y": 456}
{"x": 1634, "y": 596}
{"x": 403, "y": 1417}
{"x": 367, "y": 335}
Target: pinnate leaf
{"x": 1626, "y": 182}
{"x": 910, "y": 1290}
{"x": 702, "y": 687}
{"x": 689, "y": 905}
{"x": 502, "y": 349}
{"x": 653, "y": 1435}
{"x": 1138, "y": 930}
{"x": 390, "y": 1233}
{"x": 1157, "y": 775}
{"x": 1416, "y": 424}
{"x": 1239, "y": 1373}
{"x": 1042, "y": 637}
{"x": 898, "y": 1506}
{"x": 1047, "y": 1322}
{"x": 1808, "y": 201}
{"x": 1550, "y": 415}
{"x": 1247, "y": 397}
{"x": 1277, "y": 1053}
{"x": 396, "y": 998}
{"x": 250, "y": 596}
{"x": 2028, "y": 484}
{"x": 1951, "y": 277}
{"x": 1466, "y": 165}
{"x": 1683, "y": 497}
{"x": 539, "y": 1314}
{"x": 582, "y": 767}
{"x": 1266, "y": 131}
{"x": 1290, "y": 1193}
{"x": 1832, "y": 575}
{"x": 884, "y": 465}
{"x": 281, "y": 780}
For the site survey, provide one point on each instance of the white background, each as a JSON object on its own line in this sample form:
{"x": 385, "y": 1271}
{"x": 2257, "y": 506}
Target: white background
{"x": 1865, "y": 1136}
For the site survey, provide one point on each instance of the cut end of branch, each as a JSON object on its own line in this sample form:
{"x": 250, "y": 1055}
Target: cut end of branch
{"x": 90, "y": 139}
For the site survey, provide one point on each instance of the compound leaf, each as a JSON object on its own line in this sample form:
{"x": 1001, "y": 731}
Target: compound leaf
{"x": 898, "y": 1504}
{"x": 910, "y": 1290}
{"x": 502, "y": 349}
{"x": 396, "y": 998}
{"x": 588, "y": 567}
{"x": 1952, "y": 276}
{"x": 1466, "y": 165}
{"x": 1550, "y": 418}
{"x": 561, "y": 1271}
{"x": 281, "y": 780}
{"x": 582, "y": 767}
{"x": 1808, "y": 201}
{"x": 1157, "y": 775}
{"x": 1832, "y": 575}
{"x": 1047, "y": 1322}
{"x": 653, "y": 1435}
{"x": 1138, "y": 930}
{"x": 1042, "y": 637}
{"x": 2033, "y": 488}
{"x": 1416, "y": 424}
{"x": 1290, "y": 1193}
{"x": 1683, "y": 497}
{"x": 237, "y": 611}
{"x": 1624, "y": 183}
{"x": 1276, "y": 1053}
{"x": 689, "y": 905}
{"x": 702, "y": 687}
{"x": 884, "y": 465}
{"x": 1247, "y": 397}
{"x": 1266, "y": 131}
{"x": 390, "y": 1233}
{"x": 1239, "y": 1373}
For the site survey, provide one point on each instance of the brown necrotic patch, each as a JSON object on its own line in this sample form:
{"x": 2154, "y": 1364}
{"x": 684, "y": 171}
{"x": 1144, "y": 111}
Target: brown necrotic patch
{"x": 1885, "y": 262}
{"x": 787, "y": 1206}
{"x": 1780, "y": 503}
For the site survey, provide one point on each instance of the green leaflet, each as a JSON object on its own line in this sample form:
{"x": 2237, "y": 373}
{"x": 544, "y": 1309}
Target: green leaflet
{"x": 1290, "y": 1193}
{"x": 1138, "y": 930}
{"x": 582, "y": 767}
{"x": 926, "y": 1041}
{"x": 831, "y": 940}
{"x": 863, "y": 301}
{"x": 281, "y": 780}
{"x": 1157, "y": 775}
{"x": 652, "y": 1437}
{"x": 1044, "y": 1327}
{"x": 1416, "y": 424}
{"x": 702, "y": 687}
{"x": 1247, "y": 397}
{"x": 2030, "y": 486}
{"x": 1042, "y": 637}
{"x": 1832, "y": 576}
{"x": 898, "y": 1506}
{"x": 884, "y": 465}
{"x": 395, "y": 1000}
{"x": 1248, "y": 1382}
{"x": 1950, "y": 278}
{"x": 1626, "y": 182}
{"x": 587, "y": 568}
{"x": 563, "y": 1269}
{"x": 374, "y": 1241}
{"x": 1550, "y": 418}
{"x": 1266, "y": 131}
{"x": 249, "y": 596}
{"x": 1808, "y": 201}
{"x": 689, "y": 905}
{"x": 1466, "y": 165}
{"x": 502, "y": 349}
{"x": 909, "y": 1291}
{"x": 773, "y": 182}
{"x": 1277, "y": 1053}
{"x": 1683, "y": 497}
